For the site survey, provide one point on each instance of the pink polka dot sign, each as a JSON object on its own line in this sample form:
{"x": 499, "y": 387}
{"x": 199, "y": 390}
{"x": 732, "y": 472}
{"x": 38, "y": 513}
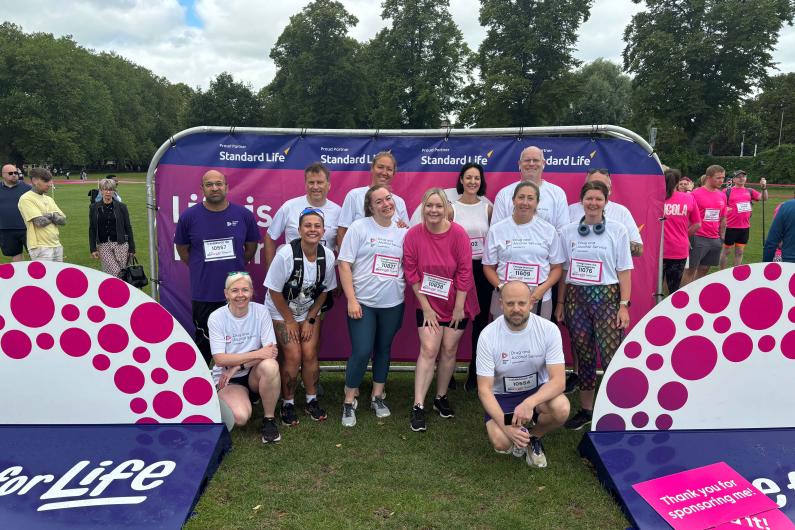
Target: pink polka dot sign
{"x": 80, "y": 347}
{"x": 717, "y": 354}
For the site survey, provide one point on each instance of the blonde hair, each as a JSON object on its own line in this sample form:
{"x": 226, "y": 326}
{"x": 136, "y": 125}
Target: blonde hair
{"x": 107, "y": 184}
{"x": 235, "y": 276}
{"x": 442, "y": 195}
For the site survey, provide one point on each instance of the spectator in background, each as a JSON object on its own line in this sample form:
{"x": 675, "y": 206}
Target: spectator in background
{"x": 738, "y": 216}
{"x": 96, "y": 195}
{"x": 782, "y": 233}
{"x": 707, "y": 241}
{"x": 12, "y": 226}
{"x": 110, "y": 235}
{"x": 685, "y": 184}
{"x": 682, "y": 220}
{"x": 42, "y": 218}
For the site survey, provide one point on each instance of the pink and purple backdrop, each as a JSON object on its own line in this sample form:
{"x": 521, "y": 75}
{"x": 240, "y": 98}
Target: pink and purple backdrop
{"x": 263, "y": 171}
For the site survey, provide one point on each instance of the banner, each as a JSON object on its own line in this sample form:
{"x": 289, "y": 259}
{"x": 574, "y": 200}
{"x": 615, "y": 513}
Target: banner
{"x": 263, "y": 171}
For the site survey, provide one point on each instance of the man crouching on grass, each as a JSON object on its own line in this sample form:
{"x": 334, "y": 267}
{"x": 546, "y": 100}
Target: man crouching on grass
{"x": 521, "y": 377}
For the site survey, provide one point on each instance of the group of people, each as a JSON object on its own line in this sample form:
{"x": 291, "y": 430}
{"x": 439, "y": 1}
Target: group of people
{"x": 31, "y": 219}
{"x": 509, "y": 268}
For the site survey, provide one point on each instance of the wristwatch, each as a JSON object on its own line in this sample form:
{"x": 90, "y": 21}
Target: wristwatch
{"x": 500, "y": 286}
{"x": 626, "y": 303}
{"x": 311, "y": 320}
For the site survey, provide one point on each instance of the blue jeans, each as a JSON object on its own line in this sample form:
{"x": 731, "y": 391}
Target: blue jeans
{"x": 373, "y": 333}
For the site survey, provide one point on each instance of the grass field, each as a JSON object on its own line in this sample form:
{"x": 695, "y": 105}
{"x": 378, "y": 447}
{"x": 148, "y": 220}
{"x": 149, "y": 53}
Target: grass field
{"x": 380, "y": 474}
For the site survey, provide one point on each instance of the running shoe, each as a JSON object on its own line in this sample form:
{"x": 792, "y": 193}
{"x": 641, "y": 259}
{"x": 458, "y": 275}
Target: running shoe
{"x": 535, "y": 453}
{"x": 288, "y": 415}
{"x": 579, "y": 420}
{"x": 418, "y": 419}
{"x": 270, "y": 432}
{"x": 379, "y": 406}
{"x": 572, "y": 380}
{"x": 314, "y": 411}
{"x": 442, "y": 406}
{"x": 518, "y": 452}
{"x": 348, "y": 414}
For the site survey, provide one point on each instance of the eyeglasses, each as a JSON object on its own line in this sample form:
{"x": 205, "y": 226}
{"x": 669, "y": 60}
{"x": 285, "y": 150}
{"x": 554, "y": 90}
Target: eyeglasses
{"x": 308, "y": 210}
{"x": 599, "y": 170}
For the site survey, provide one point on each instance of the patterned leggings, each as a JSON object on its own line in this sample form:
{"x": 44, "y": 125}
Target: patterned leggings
{"x": 113, "y": 257}
{"x": 590, "y": 312}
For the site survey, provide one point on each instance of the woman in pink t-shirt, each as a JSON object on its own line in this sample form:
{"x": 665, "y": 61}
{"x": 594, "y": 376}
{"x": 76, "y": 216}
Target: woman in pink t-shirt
{"x": 437, "y": 263}
{"x": 682, "y": 219}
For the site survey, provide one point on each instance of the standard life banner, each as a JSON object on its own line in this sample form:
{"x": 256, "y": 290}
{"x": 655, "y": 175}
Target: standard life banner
{"x": 263, "y": 171}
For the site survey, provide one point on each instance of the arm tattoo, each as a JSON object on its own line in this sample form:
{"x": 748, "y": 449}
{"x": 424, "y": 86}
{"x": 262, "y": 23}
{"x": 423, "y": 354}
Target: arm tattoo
{"x": 41, "y": 221}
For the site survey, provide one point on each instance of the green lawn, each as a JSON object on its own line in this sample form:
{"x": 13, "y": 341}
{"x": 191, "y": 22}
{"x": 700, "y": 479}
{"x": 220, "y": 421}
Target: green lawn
{"x": 380, "y": 474}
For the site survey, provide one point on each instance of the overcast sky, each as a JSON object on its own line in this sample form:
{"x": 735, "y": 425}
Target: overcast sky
{"x": 192, "y": 41}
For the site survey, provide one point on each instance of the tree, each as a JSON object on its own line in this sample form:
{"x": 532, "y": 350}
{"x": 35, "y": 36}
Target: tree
{"x": 319, "y": 82}
{"x": 524, "y": 62}
{"x": 226, "y": 102}
{"x": 419, "y": 62}
{"x": 696, "y": 59}
{"x": 603, "y": 95}
{"x": 777, "y": 99}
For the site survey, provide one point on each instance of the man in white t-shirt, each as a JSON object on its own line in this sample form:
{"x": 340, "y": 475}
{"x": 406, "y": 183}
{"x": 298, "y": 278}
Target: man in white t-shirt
{"x": 613, "y": 211}
{"x": 552, "y": 205}
{"x": 521, "y": 375}
{"x": 382, "y": 171}
{"x": 317, "y": 181}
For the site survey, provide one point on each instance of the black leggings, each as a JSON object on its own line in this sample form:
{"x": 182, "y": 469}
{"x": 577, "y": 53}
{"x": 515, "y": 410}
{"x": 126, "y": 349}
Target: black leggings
{"x": 484, "y": 290}
{"x": 672, "y": 271}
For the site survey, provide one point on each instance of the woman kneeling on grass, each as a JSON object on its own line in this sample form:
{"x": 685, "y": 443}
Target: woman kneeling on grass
{"x": 298, "y": 281}
{"x": 244, "y": 350}
{"x": 437, "y": 262}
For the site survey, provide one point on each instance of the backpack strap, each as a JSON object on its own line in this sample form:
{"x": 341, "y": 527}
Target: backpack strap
{"x": 295, "y": 282}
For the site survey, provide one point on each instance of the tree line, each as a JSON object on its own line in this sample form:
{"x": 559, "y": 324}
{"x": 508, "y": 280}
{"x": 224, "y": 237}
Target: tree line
{"x": 696, "y": 70}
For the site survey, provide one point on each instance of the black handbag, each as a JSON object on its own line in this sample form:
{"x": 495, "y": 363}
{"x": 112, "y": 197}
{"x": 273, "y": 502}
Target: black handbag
{"x": 133, "y": 273}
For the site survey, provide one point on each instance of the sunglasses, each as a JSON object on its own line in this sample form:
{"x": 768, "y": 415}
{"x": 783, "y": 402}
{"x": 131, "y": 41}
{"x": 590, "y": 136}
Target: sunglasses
{"x": 17, "y": 173}
{"x": 243, "y": 273}
{"x": 599, "y": 170}
{"x": 318, "y": 211}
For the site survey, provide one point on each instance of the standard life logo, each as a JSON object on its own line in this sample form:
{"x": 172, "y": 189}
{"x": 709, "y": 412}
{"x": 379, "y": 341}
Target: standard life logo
{"x": 83, "y": 486}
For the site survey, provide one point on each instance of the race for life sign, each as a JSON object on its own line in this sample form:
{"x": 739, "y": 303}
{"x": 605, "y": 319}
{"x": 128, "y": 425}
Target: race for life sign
{"x": 703, "y": 497}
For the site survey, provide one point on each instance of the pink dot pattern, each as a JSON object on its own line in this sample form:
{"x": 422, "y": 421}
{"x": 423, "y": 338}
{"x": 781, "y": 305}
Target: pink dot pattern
{"x": 96, "y": 314}
{"x": 114, "y": 293}
{"x": 45, "y": 341}
{"x": 32, "y": 306}
{"x": 70, "y": 312}
{"x": 6, "y": 271}
{"x": 72, "y": 283}
{"x": 180, "y": 356}
{"x": 36, "y": 270}
{"x": 159, "y": 376}
{"x": 101, "y": 362}
{"x": 129, "y": 379}
{"x": 746, "y": 323}
{"x": 167, "y": 404}
{"x": 16, "y": 344}
{"x": 151, "y": 323}
{"x": 197, "y": 391}
{"x": 113, "y": 338}
{"x": 75, "y": 342}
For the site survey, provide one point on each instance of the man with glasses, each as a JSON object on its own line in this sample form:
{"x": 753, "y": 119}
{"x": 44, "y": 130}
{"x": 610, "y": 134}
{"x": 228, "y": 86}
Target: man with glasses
{"x": 214, "y": 238}
{"x": 42, "y": 218}
{"x": 12, "y": 226}
{"x": 317, "y": 182}
{"x": 552, "y": 204}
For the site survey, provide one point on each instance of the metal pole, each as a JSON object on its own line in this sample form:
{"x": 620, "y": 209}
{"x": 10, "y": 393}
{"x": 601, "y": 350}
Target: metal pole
{"x": 781, "y": 125}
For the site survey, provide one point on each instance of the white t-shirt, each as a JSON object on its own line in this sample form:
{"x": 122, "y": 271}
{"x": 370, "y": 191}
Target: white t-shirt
{"x": 280, "y": 271}
{"x": 475, "y": 220}
{"x": 518, "y": 360}
{"x": 523, "y": 252}
{"x": 595, "y": 259}
{"x": 552, "y": 205}
{"x": 286, "y": 220}
{"x": 376, "y": 257}
{"x": 229, "y": 334}
{"x": 613, "y": 212}
{"x": 353, "y": 207}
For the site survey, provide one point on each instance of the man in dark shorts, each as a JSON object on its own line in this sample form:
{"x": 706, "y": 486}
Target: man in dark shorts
{"x": 214, "y": 238}
{"x": 521, "y": 377}
{"x": 12, "y": 226}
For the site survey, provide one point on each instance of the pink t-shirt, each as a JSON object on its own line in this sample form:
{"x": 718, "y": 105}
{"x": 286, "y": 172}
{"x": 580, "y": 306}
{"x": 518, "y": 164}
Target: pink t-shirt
{"x": 436, "y": 261}
{"x": 681, "y": 211}
{"x": 738, "y": 211}
{"x": 711, "y": 206}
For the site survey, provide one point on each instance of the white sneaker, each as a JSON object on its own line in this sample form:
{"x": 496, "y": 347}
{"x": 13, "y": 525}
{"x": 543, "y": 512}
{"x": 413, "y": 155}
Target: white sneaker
{"x": 379, "y": 406}
{"x": 348, "y": 414}
{"x": 535, "y": 453}
{"x": 518, "y": 452}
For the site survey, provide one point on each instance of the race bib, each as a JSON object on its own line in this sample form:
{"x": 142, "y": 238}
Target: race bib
{"x": 386, "y": 266}
{"x": 712, "y": 215}
{"x": 477, "y": 244}
{"x": 520, "y": 384}
{"x": 436, "y": 286}
{"x": 743, "y": 207}
{"x": 523, "y": 272}
{"x": 219, "y": 249}
{"x": 585, "y": 270}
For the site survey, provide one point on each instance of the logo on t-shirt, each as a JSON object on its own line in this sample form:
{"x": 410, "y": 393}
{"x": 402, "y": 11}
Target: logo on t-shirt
{"x": 505, "y": 357}
{"x": 507, "y": 242}
{"x": 231, "y": 223}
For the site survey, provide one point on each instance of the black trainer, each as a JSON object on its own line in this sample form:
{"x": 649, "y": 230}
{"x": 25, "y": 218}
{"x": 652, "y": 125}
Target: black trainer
{"x": 270, "y": 432}
{"x": 579, "y": 420}
{"x": 314, "y": 410}
{"x": 442, "y": 406}
{"x": 572, "y": 380}
{"x": 289, "y": 416}
{"x": 418, "y": 419}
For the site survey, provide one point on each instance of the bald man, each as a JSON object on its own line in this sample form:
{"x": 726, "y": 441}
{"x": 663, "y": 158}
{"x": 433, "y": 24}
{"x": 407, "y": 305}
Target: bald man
{"x": 213, "y": 238}
{"x": 12, "y": 226}
{"x": 552, "y": 204}
{"x": 521, "y": 375}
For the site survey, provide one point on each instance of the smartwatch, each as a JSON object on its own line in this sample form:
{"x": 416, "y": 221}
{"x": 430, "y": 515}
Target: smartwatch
{"x": 625, "y": 303}
{"x": 311, "y": 320}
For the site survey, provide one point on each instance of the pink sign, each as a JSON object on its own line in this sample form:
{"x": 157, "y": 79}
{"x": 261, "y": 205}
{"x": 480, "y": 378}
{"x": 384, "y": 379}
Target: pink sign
{"x": 772, "y": 520}
{"x": 704, "y": 497}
